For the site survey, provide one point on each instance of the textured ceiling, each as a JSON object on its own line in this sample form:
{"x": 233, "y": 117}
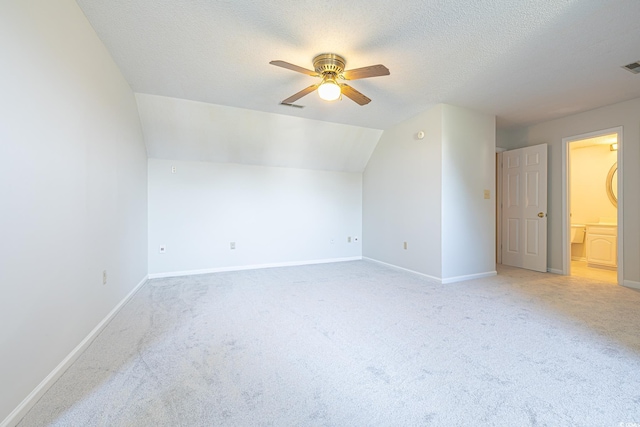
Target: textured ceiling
{"x": 524, "y": 61}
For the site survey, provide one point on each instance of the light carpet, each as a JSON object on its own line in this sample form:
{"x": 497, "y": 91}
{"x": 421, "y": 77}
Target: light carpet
{"x": 358, "y": 344}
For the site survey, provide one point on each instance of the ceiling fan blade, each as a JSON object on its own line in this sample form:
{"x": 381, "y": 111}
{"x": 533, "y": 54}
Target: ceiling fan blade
{"x": 354, "y": 95}
{"x": 365, "y": 72}
{"x": 303, "y": 92}
{"x": 292, "y": 67}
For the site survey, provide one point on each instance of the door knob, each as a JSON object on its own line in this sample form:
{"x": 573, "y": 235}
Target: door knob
{"x": 541, "y": 215}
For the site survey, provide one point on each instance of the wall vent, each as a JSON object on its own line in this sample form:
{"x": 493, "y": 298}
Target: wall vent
{"x": 634, "y": 67}
{"x": 292, "y": 105}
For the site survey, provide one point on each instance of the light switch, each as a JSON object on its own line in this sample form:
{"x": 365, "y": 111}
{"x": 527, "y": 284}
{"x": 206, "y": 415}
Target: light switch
{"x": 487, "y": 194}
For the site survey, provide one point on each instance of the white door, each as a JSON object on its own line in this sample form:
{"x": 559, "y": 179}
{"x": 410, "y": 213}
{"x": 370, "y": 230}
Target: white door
{"x": 524, "y": 208}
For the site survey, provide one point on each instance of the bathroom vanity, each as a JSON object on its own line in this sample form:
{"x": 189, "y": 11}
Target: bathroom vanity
{"x": 602, "y": 245}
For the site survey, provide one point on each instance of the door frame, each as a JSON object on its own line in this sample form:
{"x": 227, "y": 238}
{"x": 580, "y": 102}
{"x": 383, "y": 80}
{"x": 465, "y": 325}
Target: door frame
{"x": 498, "y": 193}
{"x": 566, "y": 202}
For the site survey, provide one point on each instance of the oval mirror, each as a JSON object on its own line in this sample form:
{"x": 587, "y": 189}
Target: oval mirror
{"x": 612, "y": 184}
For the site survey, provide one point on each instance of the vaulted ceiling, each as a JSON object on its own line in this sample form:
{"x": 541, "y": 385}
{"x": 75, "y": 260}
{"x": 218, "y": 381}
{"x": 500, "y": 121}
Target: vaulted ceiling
{"x": 523, "y": 61}
{"x": 178, "y": 129}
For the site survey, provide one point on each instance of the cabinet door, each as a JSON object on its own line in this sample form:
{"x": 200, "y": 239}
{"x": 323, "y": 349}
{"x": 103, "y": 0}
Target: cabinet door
{"x": 601, "y": 250}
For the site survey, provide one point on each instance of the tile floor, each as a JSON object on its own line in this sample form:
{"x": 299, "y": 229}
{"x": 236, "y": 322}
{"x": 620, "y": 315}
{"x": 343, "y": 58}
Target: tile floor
{"x": 580, "y": 269}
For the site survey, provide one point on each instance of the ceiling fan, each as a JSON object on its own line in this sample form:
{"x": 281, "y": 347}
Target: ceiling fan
{"x": 330, "y": 67}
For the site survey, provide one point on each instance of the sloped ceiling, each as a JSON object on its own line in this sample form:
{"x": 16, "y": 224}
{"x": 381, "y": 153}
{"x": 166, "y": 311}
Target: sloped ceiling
{"x": 179, "y": 129}
{"x": 523, "y": 61}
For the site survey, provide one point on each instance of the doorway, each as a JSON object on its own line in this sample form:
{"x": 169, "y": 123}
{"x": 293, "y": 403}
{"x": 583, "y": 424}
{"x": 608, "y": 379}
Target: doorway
{"x": 592, "y": 205}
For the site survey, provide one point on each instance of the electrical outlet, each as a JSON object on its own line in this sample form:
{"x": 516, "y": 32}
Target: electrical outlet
{"x": 405, "y": 245}
{"x": 349, "y": 239}
{"x": 104, "y": 277}
{"x": 173, "y": 169}
{"x": 232, "y": 245}
{"x": 162, "y": 249}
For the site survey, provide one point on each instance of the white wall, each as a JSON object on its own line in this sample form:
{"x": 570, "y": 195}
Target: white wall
{"x": 274, "y": 215}
{"x": 625, "y": 114}
{"x": 468, "y": 168}
{"x": 180, "y": 129}
{"x": 402, "y": 191}
{"x": 429, "y": 193}
{"x": 73, "y": 189}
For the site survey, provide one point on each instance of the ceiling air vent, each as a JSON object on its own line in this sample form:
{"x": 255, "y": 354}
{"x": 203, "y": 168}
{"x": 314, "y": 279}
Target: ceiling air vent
{"x": 634, "y": 67}
{"x": 286, "y": 104}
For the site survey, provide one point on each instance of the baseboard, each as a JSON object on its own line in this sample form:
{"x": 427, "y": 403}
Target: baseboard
{"x": 249, "y": 267}
{"x": 434, "y": 278}
{"x": 468, "y": 277}
{"x": 21, "y": 410}
{"x": 437, "y": 279}
{"x": 555, "y": 271}
{"x": 578, "y": 258}
{"x": 631, "y": 284}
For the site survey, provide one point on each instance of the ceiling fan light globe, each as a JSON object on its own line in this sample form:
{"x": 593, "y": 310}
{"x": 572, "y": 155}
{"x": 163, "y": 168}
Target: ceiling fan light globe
{"x": 329, "y": 91}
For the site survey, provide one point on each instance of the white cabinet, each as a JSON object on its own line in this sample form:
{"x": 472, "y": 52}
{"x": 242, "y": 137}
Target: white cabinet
{"x": 602, "y": 245}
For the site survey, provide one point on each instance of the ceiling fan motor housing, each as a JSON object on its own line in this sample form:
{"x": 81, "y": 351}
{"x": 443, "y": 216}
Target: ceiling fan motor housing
{"x": 329, "y": 63}
{"x": 331, "y": 67}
